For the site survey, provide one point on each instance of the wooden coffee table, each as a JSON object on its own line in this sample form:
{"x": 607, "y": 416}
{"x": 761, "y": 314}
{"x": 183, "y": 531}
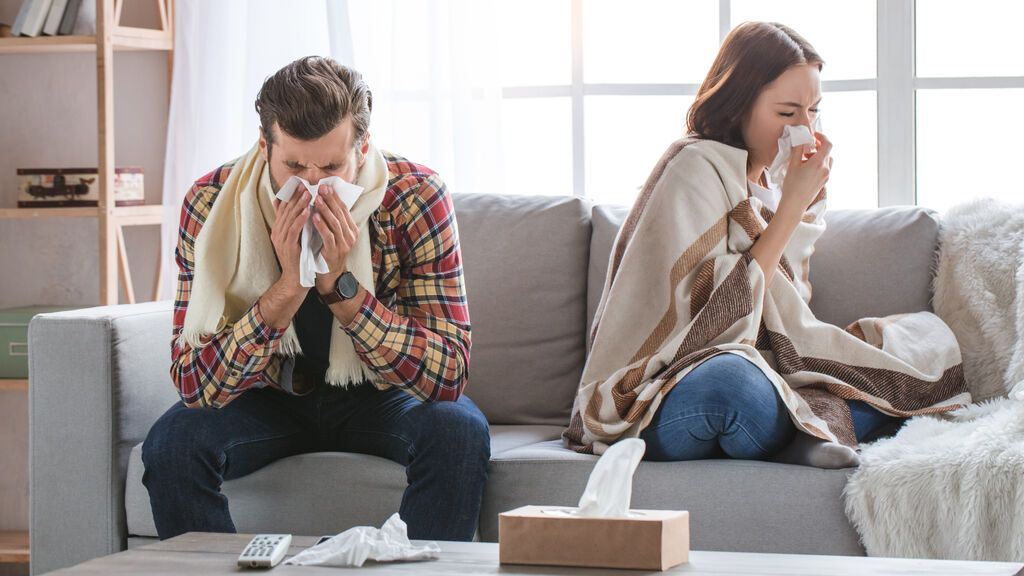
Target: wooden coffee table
{"x": 200, "y": 553}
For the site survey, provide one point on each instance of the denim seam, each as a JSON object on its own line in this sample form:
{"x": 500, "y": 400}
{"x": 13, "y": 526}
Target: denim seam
{"x": 682, "y": 417}
{"x": 262, "y": 439}
{"x": 382, "y": 433}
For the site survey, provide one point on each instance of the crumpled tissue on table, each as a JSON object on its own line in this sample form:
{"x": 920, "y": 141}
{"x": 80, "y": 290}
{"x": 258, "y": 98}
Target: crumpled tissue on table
{"x": 311, "y": 261}
{"x": 356, "y": 545}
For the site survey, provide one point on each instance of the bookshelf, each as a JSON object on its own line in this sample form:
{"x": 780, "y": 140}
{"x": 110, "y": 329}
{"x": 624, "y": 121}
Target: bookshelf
{"x": 114, "y": 271}
{"x": 111, "y": 36}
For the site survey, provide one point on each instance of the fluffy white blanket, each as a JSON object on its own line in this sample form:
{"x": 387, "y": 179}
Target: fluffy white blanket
{"x": 954, "y": 487}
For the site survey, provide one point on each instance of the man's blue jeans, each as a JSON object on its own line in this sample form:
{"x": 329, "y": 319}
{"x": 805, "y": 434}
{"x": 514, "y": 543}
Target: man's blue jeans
{"x": 445, "y": 447}
{"x": 726, "y": 407}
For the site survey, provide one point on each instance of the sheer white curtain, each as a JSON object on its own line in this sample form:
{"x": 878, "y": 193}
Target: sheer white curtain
{"x": 223, "y": 52}
{"x": 432, "y": 66}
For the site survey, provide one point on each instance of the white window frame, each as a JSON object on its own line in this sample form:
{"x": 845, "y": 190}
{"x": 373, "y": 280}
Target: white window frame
{"x": 895, "y": 85}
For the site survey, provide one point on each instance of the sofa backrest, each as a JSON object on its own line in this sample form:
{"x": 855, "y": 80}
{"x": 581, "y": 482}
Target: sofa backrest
{"x": 867, "y": 263}
{"x": 535, "y": 268}
{"x": 525, "y": 260}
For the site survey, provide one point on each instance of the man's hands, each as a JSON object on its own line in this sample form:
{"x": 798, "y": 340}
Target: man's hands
{"x": 280, "y": 302}
{"x": 286, "y": 232}
{"x": 339, "y": 232}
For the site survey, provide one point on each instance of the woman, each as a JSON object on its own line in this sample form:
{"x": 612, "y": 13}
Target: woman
{"x": 703, "y": 344}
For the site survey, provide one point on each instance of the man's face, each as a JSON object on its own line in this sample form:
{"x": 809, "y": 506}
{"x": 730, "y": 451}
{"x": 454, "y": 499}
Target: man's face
{"x": 333, "y": 154}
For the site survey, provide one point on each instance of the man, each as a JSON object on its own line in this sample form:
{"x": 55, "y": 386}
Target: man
{"x": 372, "y": 358}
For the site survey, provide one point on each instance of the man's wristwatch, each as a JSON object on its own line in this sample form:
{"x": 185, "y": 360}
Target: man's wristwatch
{"x": 345, "y": 288}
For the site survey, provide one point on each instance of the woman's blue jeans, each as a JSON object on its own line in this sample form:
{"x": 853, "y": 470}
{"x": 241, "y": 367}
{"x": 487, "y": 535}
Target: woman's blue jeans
{"x": 726, "y": 407}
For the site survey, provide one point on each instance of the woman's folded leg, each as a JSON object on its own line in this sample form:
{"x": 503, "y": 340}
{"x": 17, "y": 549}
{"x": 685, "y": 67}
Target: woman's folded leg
{"x": 724, "y": 407}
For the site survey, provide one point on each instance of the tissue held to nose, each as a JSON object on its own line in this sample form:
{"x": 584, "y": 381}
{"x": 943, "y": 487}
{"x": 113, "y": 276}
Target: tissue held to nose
{"x": 798, "y": 135}
{"x": 311, "y": 262}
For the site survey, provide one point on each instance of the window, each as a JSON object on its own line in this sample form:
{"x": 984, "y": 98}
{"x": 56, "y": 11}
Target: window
{"x": 920, "y": 98}
{"x": 969, "y": 95}
{"x": 627, "y": 75}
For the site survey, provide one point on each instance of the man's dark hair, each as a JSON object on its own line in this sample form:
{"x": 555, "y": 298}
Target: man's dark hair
{"x": 311, "y": 96}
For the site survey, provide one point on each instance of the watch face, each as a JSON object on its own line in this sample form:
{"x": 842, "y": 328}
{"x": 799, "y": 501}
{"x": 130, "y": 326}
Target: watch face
{"x": 347, "y": 285}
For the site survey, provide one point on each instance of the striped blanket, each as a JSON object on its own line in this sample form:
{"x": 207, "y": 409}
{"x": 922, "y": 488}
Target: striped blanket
{"x": 682, "y": 287}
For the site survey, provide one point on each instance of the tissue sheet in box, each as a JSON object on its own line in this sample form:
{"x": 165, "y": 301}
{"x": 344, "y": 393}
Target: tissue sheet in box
{"x": 554, "y": 536}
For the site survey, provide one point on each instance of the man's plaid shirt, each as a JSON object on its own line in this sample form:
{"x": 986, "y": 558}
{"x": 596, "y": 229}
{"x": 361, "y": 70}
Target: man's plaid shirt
{"x": 414, "y": 334}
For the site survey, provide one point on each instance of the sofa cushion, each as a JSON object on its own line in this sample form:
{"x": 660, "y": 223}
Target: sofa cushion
{"x": 266, "y": 501}
{"x": 867, "y": 263}
{"x": 525, "y": 260}
{"x": 734, "y": 505}
{"x": 874, "y": 263}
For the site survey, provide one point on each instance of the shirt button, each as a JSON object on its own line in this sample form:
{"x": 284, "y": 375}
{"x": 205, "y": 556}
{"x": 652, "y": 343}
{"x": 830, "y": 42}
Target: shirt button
{"x": 261, "y": 340}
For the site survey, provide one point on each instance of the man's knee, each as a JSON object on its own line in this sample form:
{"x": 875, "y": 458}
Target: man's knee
{"x": 175, "y": 439}
{"x": 458, "y": 425}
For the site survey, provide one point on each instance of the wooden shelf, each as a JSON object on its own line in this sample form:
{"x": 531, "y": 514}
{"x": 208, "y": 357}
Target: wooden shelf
{"x": 139, "y": 215}
{"x": 125, "y": 215}
{"x": 14, "y": 548}
{"x": 32, "y": 213}
{"x": 13, "y": 384}
{"x": 123, "y": 38}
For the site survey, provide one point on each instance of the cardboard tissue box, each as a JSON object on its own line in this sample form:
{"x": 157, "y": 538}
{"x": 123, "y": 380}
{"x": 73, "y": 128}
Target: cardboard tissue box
{"x": 602, "y": 532}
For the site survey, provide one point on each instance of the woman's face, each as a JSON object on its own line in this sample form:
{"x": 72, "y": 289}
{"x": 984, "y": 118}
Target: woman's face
{"x": 791, "y": 99}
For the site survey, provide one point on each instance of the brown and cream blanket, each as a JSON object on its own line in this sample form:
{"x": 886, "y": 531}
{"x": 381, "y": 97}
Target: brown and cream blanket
{"x": 682, "y": 287}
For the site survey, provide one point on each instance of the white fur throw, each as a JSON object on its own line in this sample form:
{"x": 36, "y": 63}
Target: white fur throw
{"x": 953, "y": 487}
{"x": 950, "y": 489}
{"x": 977, "y": 280}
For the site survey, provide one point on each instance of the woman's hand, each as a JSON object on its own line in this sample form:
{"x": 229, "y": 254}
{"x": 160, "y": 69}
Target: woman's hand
{"x": 805, "y": 178}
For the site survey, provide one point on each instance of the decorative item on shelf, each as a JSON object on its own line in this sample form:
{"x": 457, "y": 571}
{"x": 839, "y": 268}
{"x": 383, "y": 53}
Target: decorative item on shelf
{"x": 14, "y": 337}
{"x": 67, "y": 187}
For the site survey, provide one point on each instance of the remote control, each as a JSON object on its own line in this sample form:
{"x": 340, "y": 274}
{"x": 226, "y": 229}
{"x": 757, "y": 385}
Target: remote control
{"x": 265, "y": 551}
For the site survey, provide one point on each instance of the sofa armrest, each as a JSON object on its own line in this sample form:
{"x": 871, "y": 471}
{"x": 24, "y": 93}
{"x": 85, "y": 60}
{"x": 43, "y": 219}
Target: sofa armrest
{"x": 98, "y": 379}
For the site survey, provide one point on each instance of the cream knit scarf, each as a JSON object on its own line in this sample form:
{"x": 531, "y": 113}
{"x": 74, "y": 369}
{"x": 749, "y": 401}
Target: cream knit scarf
{"x": 235, "y": 262}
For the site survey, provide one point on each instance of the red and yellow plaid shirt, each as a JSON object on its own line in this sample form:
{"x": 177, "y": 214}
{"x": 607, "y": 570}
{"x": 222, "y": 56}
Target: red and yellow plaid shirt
{"x": 414, "y": 334}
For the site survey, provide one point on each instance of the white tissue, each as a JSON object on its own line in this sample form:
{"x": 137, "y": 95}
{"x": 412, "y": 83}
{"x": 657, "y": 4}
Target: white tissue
{"x": 311, "y": 262}
{"x": 356, "y": 545}
{"x": 610, "y": 486}
{"x": 791, "y": 136}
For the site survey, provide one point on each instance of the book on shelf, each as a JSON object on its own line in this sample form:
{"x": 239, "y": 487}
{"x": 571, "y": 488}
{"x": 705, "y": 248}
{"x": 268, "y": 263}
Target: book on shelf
{"x": 76, "y": 187}
{"x": 70, "y": 17}
{"x": 19, "y": 22}
{"x": 35, "y": 18}
{"x": 55, "y": 18}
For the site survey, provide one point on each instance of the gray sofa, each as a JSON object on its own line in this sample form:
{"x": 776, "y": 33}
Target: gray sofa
{"x": 534, "y": 271}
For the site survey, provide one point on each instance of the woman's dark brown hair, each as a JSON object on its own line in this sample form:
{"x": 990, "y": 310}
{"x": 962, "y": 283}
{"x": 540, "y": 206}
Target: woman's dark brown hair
{"x": 752, "y": 56}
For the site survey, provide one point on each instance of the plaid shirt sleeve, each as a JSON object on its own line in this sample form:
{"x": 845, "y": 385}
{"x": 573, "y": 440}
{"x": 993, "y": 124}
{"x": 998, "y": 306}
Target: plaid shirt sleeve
{"x": 423, "y": 345}
{"x": 238, "y": 357}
